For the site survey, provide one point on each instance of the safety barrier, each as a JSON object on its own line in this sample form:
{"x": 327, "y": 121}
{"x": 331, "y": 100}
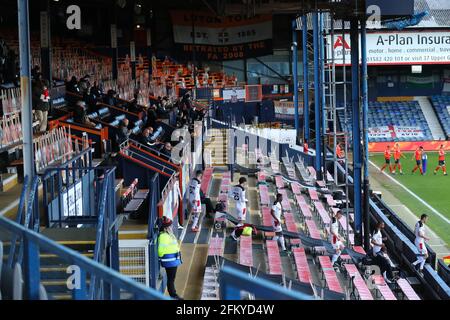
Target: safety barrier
{"x": 115, "y": 285}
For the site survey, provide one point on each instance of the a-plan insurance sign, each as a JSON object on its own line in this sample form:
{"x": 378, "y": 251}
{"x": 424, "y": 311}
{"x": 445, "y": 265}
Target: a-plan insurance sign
{"x": 396, "y": 48}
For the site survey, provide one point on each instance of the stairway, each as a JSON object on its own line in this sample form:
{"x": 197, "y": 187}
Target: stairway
{"x": 54, "y": 273}
{"x": 431, "y": 117}
{"x": 216, "y": 146}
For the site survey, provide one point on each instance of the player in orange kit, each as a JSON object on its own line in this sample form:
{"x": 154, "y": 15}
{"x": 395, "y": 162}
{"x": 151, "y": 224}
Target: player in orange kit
{"x": 387, "y": 159}
{"x": 441, "y": 160}
{"x": 397, "y": 154}
{"x": 418, "y": 157}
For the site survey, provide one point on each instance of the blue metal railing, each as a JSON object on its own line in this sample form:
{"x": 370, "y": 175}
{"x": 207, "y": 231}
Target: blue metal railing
{"x": 34, "y": 243}
{"x": 233, "y": 281}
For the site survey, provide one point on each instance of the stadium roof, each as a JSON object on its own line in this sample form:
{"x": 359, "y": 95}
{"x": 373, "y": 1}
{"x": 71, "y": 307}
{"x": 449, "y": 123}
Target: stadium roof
{"x": 438, "y": 15}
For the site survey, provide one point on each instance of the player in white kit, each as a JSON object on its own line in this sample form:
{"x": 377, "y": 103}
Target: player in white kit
{"x": 419, "y": 232}
{"x": 194, "y": 199}
{"x": 276, "y": 212}
{"x": 335, "y": 238}
{"x": 238, "y": 195}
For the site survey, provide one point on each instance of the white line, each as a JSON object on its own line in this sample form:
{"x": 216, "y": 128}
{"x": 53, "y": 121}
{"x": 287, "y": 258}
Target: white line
{"x": 415, "y": 196}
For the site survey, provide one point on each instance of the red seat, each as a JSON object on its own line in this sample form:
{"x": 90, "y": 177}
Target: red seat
{"x": 267, "y": 220}
{"x": 285, "y": 203}
{"x": 313, "y": 195}
{"x": 279, "y": 182}
{"x": 215, "y": 246}
{"x": 407, "y": 290}
{"x": 273, "y": 257}
{"x": 323, "y": 214}
{"x": 301, "y": 263}
{"x": 206, "y": 180}
{"x": 330, "y": 200}
{"x": 382, "y": 287}
{"x": 291, "y": 226}
{"x": 312, "y": 229}
{"x": 306, "y": 212}
{"x": 329, "y": 274}
{"x": 358, "y": 282}
{"x": 296, "y": 188}
{"x": 246, "y": 251}
{"x": 264, "y": 195}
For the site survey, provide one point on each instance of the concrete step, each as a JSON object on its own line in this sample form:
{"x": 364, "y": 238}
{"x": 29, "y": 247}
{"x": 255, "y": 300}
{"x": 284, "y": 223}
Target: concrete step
{"x": 431, "y": 117}
{"x": 8, "y": 181}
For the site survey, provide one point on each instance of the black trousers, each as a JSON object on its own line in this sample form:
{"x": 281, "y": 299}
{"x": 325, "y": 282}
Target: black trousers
{"x": 171, "y": 274}
{"x": 384, "y": 265}
{"x": 209, "y": 206}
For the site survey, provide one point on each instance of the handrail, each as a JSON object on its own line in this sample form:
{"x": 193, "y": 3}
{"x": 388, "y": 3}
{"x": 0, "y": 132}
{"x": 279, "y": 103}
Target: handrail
{"x": 232, "y": 281}
{"x": 144, "y": 164}
{"x": 101, "y": 234}
{"x": 143, "y": 146}
{"x": 36, "y": 241}
{"x": 152, "y": 161}
{"x": 12, "y": 251}
{"x": 139, "y": 147}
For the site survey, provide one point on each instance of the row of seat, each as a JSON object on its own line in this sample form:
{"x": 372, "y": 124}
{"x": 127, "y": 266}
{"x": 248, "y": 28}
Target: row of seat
{"x": 441, "y": 105}
{"x": 393, "y": 113}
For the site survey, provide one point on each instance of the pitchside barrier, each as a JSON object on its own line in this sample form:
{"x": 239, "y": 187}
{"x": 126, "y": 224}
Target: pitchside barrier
{"x": 409, "y": 146}
{"x": 400, "y": 246}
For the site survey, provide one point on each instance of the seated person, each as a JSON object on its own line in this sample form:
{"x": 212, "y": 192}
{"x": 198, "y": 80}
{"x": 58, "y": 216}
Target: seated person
{"x": 146, "y": 139}
{"x": 81, "y": 115}
{"x": 123, "y": 132}
{"x": 110, "y": 98}
{"x": 151, "y": 116}
{"x": 167, "y": 149}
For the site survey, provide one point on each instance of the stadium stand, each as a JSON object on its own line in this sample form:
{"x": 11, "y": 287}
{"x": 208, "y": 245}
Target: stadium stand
{"x": 394, "y": 113}
{"x": 441, "y": 106}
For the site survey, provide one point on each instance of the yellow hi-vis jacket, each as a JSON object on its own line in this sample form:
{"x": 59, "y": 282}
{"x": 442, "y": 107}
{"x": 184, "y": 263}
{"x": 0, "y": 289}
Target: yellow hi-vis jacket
{"x": 168, "y": 250}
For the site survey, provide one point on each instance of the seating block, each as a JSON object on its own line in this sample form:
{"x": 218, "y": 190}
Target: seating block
{"x": 296, "y": 188}
{"x": 216, "y": 246}
{"x": 382, "y": 287}
{"x": 305, "y": 211}
{"x": 407, "y": 290}
{"x": 267, "y": 221}
{"x": 261, "y": 177}
{"x": 330, "y": 200}
{"x": 279, "y": 182}
{"x": 301, "y": 263}
{"x": 312, "y": 229}
{"x": 264, "y": 195}
{"x": 329, "y": 274}
{"x": 273, "y": 257}
{"x": 323, "y": 214}
{"x": 358, "y": 282}
{"x": 246, "y": 251}
{"x": 286, "y": 204}
{"x": 312, "y": 172}
{"x": 291, "y": 226}
{"x": 206, "y": 181}
{"x": 313, "y": 195}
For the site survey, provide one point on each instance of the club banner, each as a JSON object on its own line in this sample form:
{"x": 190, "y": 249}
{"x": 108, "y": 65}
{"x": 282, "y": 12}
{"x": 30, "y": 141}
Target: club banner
{"x": 399, "y": 48}
{"x": 380, "y": 132}
{"x": 394, "y": 132}
{"x": 285, "y": 110}
{"x": 408, "y": 132}
{"x": 222, "y": 38}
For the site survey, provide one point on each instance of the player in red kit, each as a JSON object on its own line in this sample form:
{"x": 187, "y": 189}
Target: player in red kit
{"x": 387, "y": 159}
{"x": 418, "y": 157}
{"x": 397, "y": 154}
{"x": 441, "y": 161}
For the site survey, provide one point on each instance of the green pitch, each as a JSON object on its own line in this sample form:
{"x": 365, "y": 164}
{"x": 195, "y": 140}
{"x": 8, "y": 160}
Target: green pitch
{"x": 433, "y": 189}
